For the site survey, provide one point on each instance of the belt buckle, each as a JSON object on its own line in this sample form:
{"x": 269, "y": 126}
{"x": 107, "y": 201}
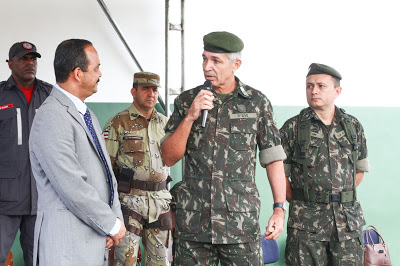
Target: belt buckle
{"x": 334, "y": 197}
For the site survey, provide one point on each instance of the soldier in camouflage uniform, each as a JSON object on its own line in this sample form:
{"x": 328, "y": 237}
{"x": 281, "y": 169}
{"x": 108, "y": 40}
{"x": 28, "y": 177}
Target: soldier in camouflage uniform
{"x": 133, "y": 142}
{"x": 218, "y": 203}
{"x": 326, "y": 158}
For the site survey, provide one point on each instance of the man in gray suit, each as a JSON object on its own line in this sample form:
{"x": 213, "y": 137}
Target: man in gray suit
{"x": 79, "y": 216}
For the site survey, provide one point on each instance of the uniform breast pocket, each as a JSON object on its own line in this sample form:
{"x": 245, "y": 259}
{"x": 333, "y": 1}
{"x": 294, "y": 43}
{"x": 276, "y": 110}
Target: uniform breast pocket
{"x": 8, "y": 123}
{"x": 313, "y": 150}
{"x": 242, "y": 134}
{"x": 10, "y": 133}
{"x": 345, "y": 145}
{"x": 312, "y": 153}
{"x": 134, "y": 147}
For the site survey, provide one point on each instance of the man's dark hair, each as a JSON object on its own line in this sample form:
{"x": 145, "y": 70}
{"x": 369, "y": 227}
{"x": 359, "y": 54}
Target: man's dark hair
{"x": 70, "y": 54}
{"x": 336, "y": 82}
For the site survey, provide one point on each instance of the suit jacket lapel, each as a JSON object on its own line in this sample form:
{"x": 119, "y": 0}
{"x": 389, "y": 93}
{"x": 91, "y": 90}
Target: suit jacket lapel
{"x": 73, "y": 111}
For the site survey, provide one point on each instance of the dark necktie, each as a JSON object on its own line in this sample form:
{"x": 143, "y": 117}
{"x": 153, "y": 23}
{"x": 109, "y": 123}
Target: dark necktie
{"x": 89, "y": 124}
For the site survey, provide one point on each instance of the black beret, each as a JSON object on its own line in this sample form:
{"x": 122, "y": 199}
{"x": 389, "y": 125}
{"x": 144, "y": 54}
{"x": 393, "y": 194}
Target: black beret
{"x": 316, "y": 68}
{"x": 222, "y": 42}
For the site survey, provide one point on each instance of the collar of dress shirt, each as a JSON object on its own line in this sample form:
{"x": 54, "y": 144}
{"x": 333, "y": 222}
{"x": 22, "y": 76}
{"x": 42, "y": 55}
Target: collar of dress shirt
{"x": 81, "y": 106}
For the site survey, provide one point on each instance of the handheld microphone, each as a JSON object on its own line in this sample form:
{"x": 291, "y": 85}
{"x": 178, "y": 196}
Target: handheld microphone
{"x": 207, "y": 86}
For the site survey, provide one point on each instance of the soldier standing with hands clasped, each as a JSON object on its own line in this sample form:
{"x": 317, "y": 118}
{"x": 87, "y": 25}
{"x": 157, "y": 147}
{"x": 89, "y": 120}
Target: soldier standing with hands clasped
{"x": 326, "y": 159}
{"x": 217, "y": 201}
{"x": 133, "y": 142}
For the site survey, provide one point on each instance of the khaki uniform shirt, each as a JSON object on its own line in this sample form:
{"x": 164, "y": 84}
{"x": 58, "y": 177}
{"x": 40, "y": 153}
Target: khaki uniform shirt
{"x": 330, "y": 155}
{"x": 217, "y": 200}
{"x": 133, "y": 142}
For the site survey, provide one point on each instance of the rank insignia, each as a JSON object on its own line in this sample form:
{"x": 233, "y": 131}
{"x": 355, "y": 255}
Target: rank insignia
{"x": 241, "y": 108}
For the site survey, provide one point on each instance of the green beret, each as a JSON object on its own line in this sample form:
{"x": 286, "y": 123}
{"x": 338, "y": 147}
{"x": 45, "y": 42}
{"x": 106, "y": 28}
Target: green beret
{"x": 222, "y": 42}
{"x": 146, "y": 79}
{"x": 316, "y": 68}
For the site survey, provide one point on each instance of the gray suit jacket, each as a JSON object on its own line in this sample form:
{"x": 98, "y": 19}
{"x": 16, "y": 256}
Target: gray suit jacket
{"x": 73, "y": 215}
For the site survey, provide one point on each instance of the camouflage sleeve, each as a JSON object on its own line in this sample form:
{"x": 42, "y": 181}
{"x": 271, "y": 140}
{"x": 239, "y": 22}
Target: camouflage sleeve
{"x": 176, "y": 117}
{"x": 268, "y": 139}
{"x": 287, "y": 137}
{"x": 362, "y": 164}
{"x": 112, "y": 140}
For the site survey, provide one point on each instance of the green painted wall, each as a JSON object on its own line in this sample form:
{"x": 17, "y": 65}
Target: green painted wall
{"x": 379, "y": 192}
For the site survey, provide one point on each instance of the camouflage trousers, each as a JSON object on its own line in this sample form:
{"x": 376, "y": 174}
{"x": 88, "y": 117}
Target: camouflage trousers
{"x": 150, "y": 205}
{"x": 198, "y": 253}
{"x": 301, "y": 251}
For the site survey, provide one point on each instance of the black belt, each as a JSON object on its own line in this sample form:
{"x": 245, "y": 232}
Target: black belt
{"x": 324, "y": 196}
{"x": 148, "y": 186}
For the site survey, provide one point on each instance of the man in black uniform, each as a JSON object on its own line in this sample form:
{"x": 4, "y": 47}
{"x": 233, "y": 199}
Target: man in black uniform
{"x": 20, "y": 96}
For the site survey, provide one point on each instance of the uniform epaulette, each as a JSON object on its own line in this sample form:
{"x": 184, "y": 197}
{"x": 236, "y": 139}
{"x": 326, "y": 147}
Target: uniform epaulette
{"x": 305, "y": 114}
{"x": 123, "y": 112}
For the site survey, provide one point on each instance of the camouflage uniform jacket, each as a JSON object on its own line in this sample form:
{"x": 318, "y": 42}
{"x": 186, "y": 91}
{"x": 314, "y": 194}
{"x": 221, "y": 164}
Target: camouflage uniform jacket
{"x": 331, "y": 169}
{"x": 217, "y": 200}
{"x": 134, "y": 143}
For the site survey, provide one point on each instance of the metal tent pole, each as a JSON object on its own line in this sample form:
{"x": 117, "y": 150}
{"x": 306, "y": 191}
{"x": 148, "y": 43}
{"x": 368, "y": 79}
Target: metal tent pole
{"x": 114, "y": 25}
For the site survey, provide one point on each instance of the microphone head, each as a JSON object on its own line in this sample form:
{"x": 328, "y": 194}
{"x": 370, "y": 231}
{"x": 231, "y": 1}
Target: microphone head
{"x": 207, "y": 85}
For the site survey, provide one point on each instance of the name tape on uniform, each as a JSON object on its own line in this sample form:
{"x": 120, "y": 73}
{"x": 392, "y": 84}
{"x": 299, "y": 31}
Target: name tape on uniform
{"x": 7, "y": 106}
{"x": 243, "y": 115}
{"x": 132, "y": 138}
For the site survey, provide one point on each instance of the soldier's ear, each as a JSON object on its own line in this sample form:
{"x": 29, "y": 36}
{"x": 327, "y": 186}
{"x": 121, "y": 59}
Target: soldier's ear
{"x": 338, "y": 91}
{"x": 236, "y": 64}
{"x": 133, "y": 92}
{"x": 10, "y": 64}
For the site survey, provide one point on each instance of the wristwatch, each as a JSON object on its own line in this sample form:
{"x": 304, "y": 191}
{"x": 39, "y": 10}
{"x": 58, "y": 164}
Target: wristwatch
{"x": 280, "y": 205}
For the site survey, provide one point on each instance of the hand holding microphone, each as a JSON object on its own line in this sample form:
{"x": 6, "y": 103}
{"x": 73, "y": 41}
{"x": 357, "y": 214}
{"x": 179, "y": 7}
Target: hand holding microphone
{"x": 201, "y": 103}
{"x": 207, "y": 86}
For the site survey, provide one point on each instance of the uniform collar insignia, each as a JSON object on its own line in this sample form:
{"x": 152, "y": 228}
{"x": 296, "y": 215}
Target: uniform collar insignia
{"x": 242, "y": 90}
